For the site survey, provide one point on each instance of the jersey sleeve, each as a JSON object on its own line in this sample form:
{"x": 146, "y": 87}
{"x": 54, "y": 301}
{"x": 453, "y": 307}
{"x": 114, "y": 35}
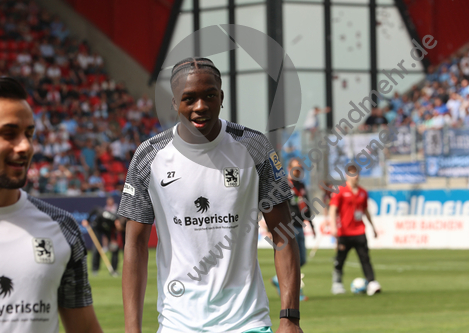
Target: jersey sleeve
{"x": 335, "y": 199}
{"x": 135, "y": 202}
{"x": 74, "y": 290}
{"x": 273, "y": 184}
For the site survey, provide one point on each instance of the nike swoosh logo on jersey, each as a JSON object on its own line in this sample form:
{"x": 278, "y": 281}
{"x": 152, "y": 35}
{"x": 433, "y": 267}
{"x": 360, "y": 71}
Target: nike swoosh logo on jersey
{"x": 166, "y": 184}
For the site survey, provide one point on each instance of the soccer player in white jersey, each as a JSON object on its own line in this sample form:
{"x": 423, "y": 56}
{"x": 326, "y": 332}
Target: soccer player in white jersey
{"x": 43, "y": 269}
{"x": 203, "y": 182}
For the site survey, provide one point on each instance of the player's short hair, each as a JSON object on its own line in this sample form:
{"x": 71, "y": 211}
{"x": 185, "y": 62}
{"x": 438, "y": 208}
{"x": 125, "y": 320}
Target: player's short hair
{"x": 188, "y": 65}
{"x": 11, "y": 88}
{"x": 352, "y": 168}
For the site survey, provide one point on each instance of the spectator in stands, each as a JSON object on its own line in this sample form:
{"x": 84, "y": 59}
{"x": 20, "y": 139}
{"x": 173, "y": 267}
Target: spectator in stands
{"x": 396, "y": 102}
{"x": 111, "y": 205}
{"x": 464, "y": 90}
{"x": 120, "y": 148}
{"x": 73, "y": 188}
{"x": 24, "y": 57}
{"x": 464, "y": 65}
{"x": 44, "y": 176}
{"x": 40, "y": 67}
{"x": 96, "y": 182}
{"x": 54, "y": 73}
{"x": 454, "y": 105}
{"x": 401, "y": 118}
{"x": 88, "y": 156}
{"x": 440, "y": 108}
{"x": 144, "y": 104}
{"x": 407, "y": 105}
{"x": 61, "y": 158}
{"x": 38, "y": 150}
{"x": 62, "y": 176}
{"x": 375, "y": 120}
{"x": 47, "y": 50}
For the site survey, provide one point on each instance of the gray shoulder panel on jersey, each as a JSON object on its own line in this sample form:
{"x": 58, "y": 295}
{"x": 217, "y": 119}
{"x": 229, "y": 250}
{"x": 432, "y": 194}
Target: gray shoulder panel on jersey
{"x": 273, "y": 190}
{"x": 138, "y": 206}
{"x": 146, "y": 153}
{"x": 255, "y": 142}
{"x": 74, "y": 290}
{"x": 67, "y": 223}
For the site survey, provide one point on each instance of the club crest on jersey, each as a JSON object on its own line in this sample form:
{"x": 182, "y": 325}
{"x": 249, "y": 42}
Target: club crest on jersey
{"x": 202, "y": 204}
{"x": 231, "y": 176}
{"x": 277, "y": 168}
{"x": 43, "y": 250}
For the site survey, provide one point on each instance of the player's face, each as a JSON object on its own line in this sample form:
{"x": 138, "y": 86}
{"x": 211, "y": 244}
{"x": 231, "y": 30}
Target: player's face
{"x": 295, "y": 169}
{"x": 353, "y": 180}
{"x": 198, "y": 99}
{"x": 16, "y": 150}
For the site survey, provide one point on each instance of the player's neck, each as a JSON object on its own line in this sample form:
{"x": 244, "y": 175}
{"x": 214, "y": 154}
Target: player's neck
{"x": 353, "y": 188}
{"x": 9, "y": 197}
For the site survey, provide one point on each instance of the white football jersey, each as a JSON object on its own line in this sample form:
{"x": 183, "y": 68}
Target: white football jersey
{"x": 42, "y": 266}
{"x": 205, "y": 200}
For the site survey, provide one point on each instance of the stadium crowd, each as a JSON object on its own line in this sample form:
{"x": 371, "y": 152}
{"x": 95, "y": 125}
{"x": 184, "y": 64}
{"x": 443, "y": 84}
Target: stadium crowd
{"x": 87, "y": 125}
{"x": 442, "y": 100}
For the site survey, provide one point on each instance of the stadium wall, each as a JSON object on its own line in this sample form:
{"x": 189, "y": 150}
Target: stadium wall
{"x": 136, "y": 26}
{"x": 118, "y": 61}
{"x": 445, "y": 20}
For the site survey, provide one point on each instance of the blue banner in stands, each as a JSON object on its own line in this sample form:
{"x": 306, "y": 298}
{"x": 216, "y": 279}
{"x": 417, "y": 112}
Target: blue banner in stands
{"x": 407, "y": 172}
{"x": 447, "y": 166}
{"x": 446, "y": 142}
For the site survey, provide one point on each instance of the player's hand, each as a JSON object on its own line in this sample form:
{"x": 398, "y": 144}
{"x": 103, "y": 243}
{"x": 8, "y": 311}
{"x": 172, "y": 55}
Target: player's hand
{"x": 333, "y": 230}
{"x": 288, "y": 326}
{"x": 376, "y": 234}
{"x": 85, "y": 223}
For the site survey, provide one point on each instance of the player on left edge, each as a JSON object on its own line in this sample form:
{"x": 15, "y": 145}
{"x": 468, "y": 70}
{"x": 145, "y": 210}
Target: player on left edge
{"x": 43, "y": 270}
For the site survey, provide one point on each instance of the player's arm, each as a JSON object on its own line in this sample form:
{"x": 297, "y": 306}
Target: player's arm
{"x": 80, "y": 320}
{"x": 74, "y": 292}
{"x": 333, "y": 219}
{"x": 287, "y": 264}
{"x": 134, "y": 274}
{"x": 368, "y": 216}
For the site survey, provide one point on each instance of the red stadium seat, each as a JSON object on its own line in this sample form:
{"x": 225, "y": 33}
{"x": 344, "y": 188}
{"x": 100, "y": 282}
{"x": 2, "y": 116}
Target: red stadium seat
{"x": 116, "y": 167}
{"x": 23, "y": 45}
{"x": 3, "y": 45}
{"x": 12, "y": 45}
{"x": 12, "y": 56}
{"x": 109, "y": 181}
{"x": 102, "y": 78}
{"x": 3, "y": 56}
{"x": 91, "y": 78}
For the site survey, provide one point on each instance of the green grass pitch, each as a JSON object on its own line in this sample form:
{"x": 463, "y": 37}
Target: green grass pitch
{"x": 423, "y": 291}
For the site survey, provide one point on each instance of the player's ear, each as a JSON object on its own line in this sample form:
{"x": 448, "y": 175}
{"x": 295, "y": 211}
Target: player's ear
{"x": 222, "y": 97}
{"x": 173, "y": 102}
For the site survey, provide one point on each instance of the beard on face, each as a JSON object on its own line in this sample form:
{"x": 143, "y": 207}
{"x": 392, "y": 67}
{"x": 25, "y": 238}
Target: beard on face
{"x": 11, "y": 184}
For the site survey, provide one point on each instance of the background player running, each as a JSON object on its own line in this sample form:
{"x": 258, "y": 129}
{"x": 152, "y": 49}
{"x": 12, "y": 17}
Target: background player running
{"x": 346, "y": 218}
